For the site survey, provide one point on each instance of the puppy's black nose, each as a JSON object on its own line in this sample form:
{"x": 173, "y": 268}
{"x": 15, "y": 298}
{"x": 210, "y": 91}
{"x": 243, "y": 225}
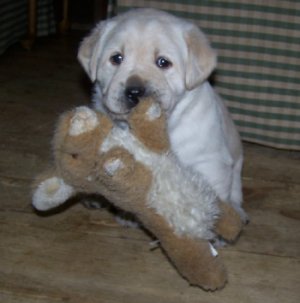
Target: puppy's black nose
{"x": 133, "y": 93}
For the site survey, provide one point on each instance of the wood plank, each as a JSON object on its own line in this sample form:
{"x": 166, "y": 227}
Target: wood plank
{"x": 274, "y": 211}
{"x": 263, "y": 163}
{"x": 65, "y": 256}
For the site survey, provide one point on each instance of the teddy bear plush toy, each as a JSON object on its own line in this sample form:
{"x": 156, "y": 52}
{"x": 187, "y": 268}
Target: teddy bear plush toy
{"x": 132, "y": 167}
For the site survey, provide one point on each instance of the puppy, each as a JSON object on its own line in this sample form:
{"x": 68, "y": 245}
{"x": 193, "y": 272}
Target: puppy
{"x": 148, "y": 52}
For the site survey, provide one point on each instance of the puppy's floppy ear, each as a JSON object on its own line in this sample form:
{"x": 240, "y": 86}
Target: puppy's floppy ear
{"x": 90, "y": 50}
{"x": 201, "y": 58}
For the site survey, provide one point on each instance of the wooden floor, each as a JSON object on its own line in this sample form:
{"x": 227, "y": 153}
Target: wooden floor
{"x": 80, "y": 255}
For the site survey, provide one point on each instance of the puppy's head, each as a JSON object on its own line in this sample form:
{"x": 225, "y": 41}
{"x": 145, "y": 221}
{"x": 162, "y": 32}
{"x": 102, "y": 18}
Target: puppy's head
{"x": 145, "y": 52}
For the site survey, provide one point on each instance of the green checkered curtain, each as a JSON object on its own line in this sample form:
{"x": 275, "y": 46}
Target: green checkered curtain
{"x": 258, "y": 74}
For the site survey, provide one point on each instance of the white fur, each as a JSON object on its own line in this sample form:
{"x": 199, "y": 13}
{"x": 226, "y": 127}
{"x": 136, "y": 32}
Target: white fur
{"x": 51, "y": 193}
{"x": 202, "y": 134}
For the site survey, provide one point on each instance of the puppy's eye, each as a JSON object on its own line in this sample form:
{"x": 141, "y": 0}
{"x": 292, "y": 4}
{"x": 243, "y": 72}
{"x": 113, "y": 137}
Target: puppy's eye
{"x": 163, "y": 63}
{"x": 116, "y": 59}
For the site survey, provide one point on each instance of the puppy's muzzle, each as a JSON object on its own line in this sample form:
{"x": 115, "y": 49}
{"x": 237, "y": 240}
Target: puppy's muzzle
{"x": 134, "y": 90}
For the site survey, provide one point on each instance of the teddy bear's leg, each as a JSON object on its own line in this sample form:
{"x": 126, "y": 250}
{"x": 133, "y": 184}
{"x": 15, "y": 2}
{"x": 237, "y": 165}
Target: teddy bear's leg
{"x": 229, "y": 224}
{"x": 111, "y": 167}
{"x": 193, "y": 258}
{"x": 127, "y": 179}
{"x": 51, "y": 192}
{"x": 195, "y": 261}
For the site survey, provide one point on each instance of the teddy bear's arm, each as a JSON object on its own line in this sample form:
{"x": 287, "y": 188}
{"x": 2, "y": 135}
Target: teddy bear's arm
{"x": 123, "y": 180}
{"x": 148, "y": 124}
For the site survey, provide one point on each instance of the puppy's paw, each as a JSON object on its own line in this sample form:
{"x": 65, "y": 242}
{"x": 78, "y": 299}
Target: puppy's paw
{"x": 243, "y": 215}
{"x": 84, "y": 120}
{"x": 51, "y": 193}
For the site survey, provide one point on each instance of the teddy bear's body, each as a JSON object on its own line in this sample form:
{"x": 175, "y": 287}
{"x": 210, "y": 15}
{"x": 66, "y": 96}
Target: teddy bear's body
{"x": 132, "y": 168}
{"x": 195, "y": 216}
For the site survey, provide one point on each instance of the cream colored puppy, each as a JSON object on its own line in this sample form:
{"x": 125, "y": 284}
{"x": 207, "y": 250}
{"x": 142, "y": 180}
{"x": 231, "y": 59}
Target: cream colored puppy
{"x": 149, "y": 52}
